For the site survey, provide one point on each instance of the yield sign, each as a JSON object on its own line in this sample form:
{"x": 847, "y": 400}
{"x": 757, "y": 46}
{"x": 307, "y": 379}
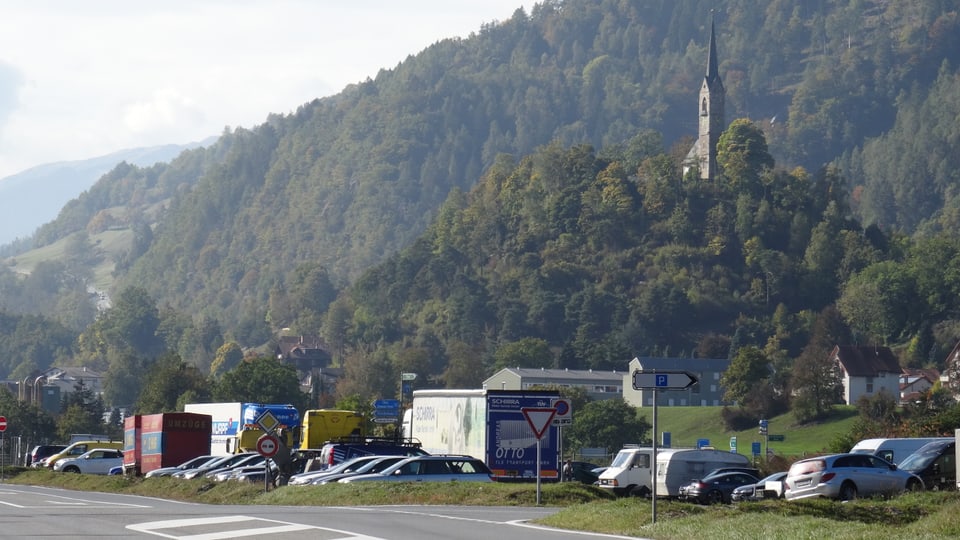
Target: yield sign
{"x": 539, "y": 419}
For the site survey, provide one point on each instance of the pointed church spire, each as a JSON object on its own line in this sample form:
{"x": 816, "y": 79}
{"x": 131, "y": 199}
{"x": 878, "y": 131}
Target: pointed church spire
{"x": 713, "y": 72}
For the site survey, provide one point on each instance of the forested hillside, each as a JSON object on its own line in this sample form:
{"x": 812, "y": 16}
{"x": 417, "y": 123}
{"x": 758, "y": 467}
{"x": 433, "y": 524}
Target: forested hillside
{"x": 581, "y": 233}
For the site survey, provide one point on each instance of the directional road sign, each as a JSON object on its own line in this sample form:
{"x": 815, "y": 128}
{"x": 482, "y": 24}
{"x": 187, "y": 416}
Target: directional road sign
{"x": 663, "y": 380}
{"x": 3, "y": 424}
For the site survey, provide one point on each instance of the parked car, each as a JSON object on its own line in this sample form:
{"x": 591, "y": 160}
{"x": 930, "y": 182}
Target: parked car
{"x": 935, "y": 463}
{"x": 716, "y": 488}
{"x": 41, "y": 452}
{"x": 96, "y": 461}
{"x": 749, "y": 470}
{"x": 79, "y": 448}
{"x": 243, "y": 472}
{"x": 582, "y": 471}
{"x": 308, "y": 477}
{"x": 248, "y": 459}
{"x": 189, "y": 464}
{"x": 375, "y": 465}
{"x": 766, "y": 488}
{"x": 220, "y": 462}
{"x": 846, "y": 477}
{"x": 334, "y": 453}
{"x": 430, "y": 469}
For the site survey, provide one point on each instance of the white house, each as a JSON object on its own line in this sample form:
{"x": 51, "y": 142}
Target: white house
{"x": 866, "y": 371}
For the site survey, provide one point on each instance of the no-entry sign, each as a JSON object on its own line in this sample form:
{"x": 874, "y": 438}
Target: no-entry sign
{"x": 3, "y": 423}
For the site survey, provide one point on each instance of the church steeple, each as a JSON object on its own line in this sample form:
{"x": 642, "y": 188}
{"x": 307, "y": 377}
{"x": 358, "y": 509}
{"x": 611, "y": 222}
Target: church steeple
{"x": 713, "y": 72}
{"x": 712, "y": 97}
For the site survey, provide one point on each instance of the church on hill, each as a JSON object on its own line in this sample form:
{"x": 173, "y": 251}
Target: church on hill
{"x": 710, "y": 107}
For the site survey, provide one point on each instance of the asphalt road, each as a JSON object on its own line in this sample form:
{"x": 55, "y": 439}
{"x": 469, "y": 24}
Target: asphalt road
{"x": 48, "y": 513}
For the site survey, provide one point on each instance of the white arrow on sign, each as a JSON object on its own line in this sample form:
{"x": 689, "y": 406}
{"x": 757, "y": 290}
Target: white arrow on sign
{"x": 663, "y": 380}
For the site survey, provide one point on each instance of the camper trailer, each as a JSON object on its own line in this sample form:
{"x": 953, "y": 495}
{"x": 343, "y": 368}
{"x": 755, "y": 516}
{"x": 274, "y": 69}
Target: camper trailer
{"x": 630, "y": 472}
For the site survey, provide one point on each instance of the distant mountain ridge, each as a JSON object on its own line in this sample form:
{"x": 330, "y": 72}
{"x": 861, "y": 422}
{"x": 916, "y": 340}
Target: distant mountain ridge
{"x": 33, "y": 197}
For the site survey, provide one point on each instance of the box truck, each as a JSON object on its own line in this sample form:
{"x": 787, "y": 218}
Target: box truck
{"x": 235, "y": 428}
{"x": 490, "y": 425}
{"x": 153, "y": 441}
{"x": 631, "y": 471}
{"x": 320, "y": 426}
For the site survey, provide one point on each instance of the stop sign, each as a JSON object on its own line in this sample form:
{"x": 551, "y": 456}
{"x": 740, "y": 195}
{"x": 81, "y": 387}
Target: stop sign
{"x": 3, "y": 423}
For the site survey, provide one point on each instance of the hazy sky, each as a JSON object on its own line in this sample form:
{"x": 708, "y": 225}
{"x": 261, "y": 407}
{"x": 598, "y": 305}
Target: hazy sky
{"x": 80, "y": 79}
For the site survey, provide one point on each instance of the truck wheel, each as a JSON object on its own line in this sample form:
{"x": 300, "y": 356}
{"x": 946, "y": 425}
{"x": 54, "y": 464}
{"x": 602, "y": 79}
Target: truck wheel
{"x": 639, "y": 491}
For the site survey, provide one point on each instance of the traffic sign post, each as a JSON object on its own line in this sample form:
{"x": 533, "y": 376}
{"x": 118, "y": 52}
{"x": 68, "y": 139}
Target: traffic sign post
{"x": 3, "y": 427}
{"x": 539, "y": 419}
{"x": 267, "y": 446}
{"x": 656, "y": 381}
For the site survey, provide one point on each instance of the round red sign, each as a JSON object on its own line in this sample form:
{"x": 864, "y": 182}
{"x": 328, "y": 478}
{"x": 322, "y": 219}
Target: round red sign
{"x": 3, "y": 423}
{"x": 267, "y": 446}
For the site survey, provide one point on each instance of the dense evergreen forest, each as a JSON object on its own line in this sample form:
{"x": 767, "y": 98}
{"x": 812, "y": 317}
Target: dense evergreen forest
{"x": 519, "y": 191}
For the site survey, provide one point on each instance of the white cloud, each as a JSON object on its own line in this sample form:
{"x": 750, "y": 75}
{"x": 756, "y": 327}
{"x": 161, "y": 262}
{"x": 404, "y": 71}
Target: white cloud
{"x": 83, "y": 79}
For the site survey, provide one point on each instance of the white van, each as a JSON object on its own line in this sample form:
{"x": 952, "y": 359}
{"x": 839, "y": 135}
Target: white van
{"x": 630, "y": 472}
{"x": 894, "y": 450}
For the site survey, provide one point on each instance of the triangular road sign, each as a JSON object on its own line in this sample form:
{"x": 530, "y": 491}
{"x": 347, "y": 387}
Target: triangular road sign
{"x": 539, "y": 419}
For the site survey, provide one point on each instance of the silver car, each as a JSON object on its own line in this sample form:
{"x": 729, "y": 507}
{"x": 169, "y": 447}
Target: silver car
{"x": 846, "y": 477}
{"x": 430, "y": 469}
{"x": 96, "y": 461}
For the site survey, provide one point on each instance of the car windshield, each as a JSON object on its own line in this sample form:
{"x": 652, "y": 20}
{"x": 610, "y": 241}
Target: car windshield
{"x": 623, "y": 459}
{"x": 917, "y": 461}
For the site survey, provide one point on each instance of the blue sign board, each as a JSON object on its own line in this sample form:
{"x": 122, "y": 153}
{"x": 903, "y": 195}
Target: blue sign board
{"x": 755, "y": 448}
{"x": 511, "y": 443}
{"x": 665, "y": 440}
{"x": 386, "y": 408}
{"x": 703, "y": 442}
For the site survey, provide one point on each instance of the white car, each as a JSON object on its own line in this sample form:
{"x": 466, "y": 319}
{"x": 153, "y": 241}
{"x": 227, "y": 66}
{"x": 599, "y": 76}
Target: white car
{"x": 96, "y": 461}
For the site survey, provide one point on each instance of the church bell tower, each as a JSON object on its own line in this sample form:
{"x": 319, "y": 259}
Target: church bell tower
{"x": 711, "y": 116}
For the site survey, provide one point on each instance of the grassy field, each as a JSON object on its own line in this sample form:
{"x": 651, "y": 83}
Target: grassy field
{"x": 688, "y": 424}
{"x": 930, "y": 515}
{"x": 107, "y": 244}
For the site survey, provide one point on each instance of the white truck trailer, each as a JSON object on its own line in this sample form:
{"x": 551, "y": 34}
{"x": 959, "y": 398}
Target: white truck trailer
{"x": 487, "y": 424}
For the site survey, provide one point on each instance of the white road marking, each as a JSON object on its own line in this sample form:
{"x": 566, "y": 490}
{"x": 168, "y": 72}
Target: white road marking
{"x": 270, "y": 526}
{"x": 59, "y": 501}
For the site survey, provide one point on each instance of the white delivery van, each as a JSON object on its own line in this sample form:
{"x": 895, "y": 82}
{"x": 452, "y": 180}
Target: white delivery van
{"x": 631, "y": 470}
{"x": 894, "y": 450}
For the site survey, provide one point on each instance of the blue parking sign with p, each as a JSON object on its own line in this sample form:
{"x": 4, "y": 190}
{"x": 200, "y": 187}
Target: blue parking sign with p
{"x": 662, "y": 380}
